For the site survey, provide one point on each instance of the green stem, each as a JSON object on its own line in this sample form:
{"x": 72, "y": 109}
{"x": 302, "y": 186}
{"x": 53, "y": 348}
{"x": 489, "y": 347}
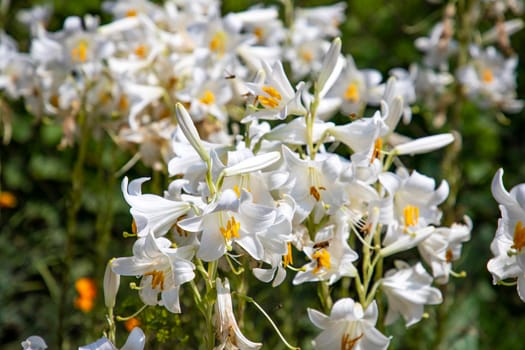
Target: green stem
{"x": 251, "y": 300}
{"x": 73, "y": 207}
{"x": 323, "y": 290}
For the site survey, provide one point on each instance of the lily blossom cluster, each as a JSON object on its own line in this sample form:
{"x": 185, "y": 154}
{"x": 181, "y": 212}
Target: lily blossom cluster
{"x": 279, "y": 191}
{"x": 276, "y": 198}
{"x": 481, "y": 66}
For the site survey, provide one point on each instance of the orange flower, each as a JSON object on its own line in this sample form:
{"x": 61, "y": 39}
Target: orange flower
{"x": 132, "y": 323}
{"x": 7, "y": 200}
{"x": 87, "y": 292}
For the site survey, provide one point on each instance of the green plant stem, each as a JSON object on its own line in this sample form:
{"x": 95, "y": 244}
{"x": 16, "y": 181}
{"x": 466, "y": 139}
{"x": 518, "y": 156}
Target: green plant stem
{"x": 73, "y": 207}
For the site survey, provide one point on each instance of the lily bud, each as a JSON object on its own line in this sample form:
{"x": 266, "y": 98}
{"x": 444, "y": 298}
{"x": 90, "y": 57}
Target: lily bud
{"x": 111, "y": 285}
{"x": 189, "y": 130}
{"x": 424, "y": 144}
{"x": 332, "y": 66}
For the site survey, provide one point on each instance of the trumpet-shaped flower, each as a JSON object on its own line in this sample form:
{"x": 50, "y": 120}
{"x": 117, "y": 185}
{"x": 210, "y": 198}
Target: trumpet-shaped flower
{"x": 163, "y": 269}
{"x": 275, "y": 96}
{"x": 443, "y": 247}
{"x": 354, "y": 87}
{"x": 228, "y": 331}
{"x": 230, "y": 219}
{"x": 507, "y": 245}
{"x": 331, "y": 257}
{"x": 314, "y": 183}
{"x": 512, "y": 222}
{"x": 412, "y": 201}
{"x": 348, "y": 327}
{"x": 407, "y": 290}
{"x": 152, "y": 213}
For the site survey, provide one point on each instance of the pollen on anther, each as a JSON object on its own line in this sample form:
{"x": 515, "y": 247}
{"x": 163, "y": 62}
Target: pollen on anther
{"x": 207, "y": 98}
{"x": 411, "y": 215}
{"x": 352, "y": 93}
{"x": 348, "y": 343}
{"x": 157, "y": 279}
{"x": 487, "y": 75}
{"x": 231, "y": 230}
{"x": 519, "y": 236}
{"x": 288, "y": 258}
{"x": 322, "y": 257}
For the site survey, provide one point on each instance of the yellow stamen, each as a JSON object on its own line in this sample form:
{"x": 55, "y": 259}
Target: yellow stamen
{"x": 487, "y": 76}
{"x": 231, "y": 230}
{"x": 307, "y": 55}
{"x": 133, "y": 227}
{"x": 79, "y": 53}
{"x": 322, "y": 257}
{"x": 352, "y": 93}
{"x": 157, "y": 279}
{"x": 131, "y": 13}
{"x": 378, "y": 146}
{"x": 207, "y": 98}
{"x": 519, "y": 236}
{"x": 218, "y": 43}
{"x": 411, "y": 215}
{"x": 347, "y": 343}
{"x": 288, "y": 258}
{"x": 141, "y": 51}
{"x": 272, "y": 100}
{"x": 237, "y": 191}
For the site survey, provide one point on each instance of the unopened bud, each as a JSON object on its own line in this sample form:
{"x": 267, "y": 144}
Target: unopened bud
{"x": 111, "y": 285}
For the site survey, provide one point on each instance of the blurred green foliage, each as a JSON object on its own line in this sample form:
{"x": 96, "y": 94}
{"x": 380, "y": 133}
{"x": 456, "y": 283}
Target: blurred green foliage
{"x": 379, "y": 34}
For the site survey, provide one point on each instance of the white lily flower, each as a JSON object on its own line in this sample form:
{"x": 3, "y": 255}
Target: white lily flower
{"x": 325, "y": 19}
{"x": 503, "y": 266}
{"x": 348, "y": 327}
{"x": 490, "y": 80}
{"x": 277, "y": 244}
{"x": 443, "y": 247}
{"x": 314, "y": 183}
{"x": 34, "y": 342}
{"x": 275, "y": 95}
{"x": 354, "y": 87}
{"x": 412, "y": 202}
{"x": 136, "y": 341}
{"x": 331, "y": 257}
{"x": 512, "y": 222}
{"x": 361, "y": 135}
{"x": 230, "y": 219}
{"x": 163, "y": 269}
{"x": 228, "y": 331}
{"x": 150, "y": 212}
{"x": 407, "y": 290}
{"x": 436, "y": 47}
